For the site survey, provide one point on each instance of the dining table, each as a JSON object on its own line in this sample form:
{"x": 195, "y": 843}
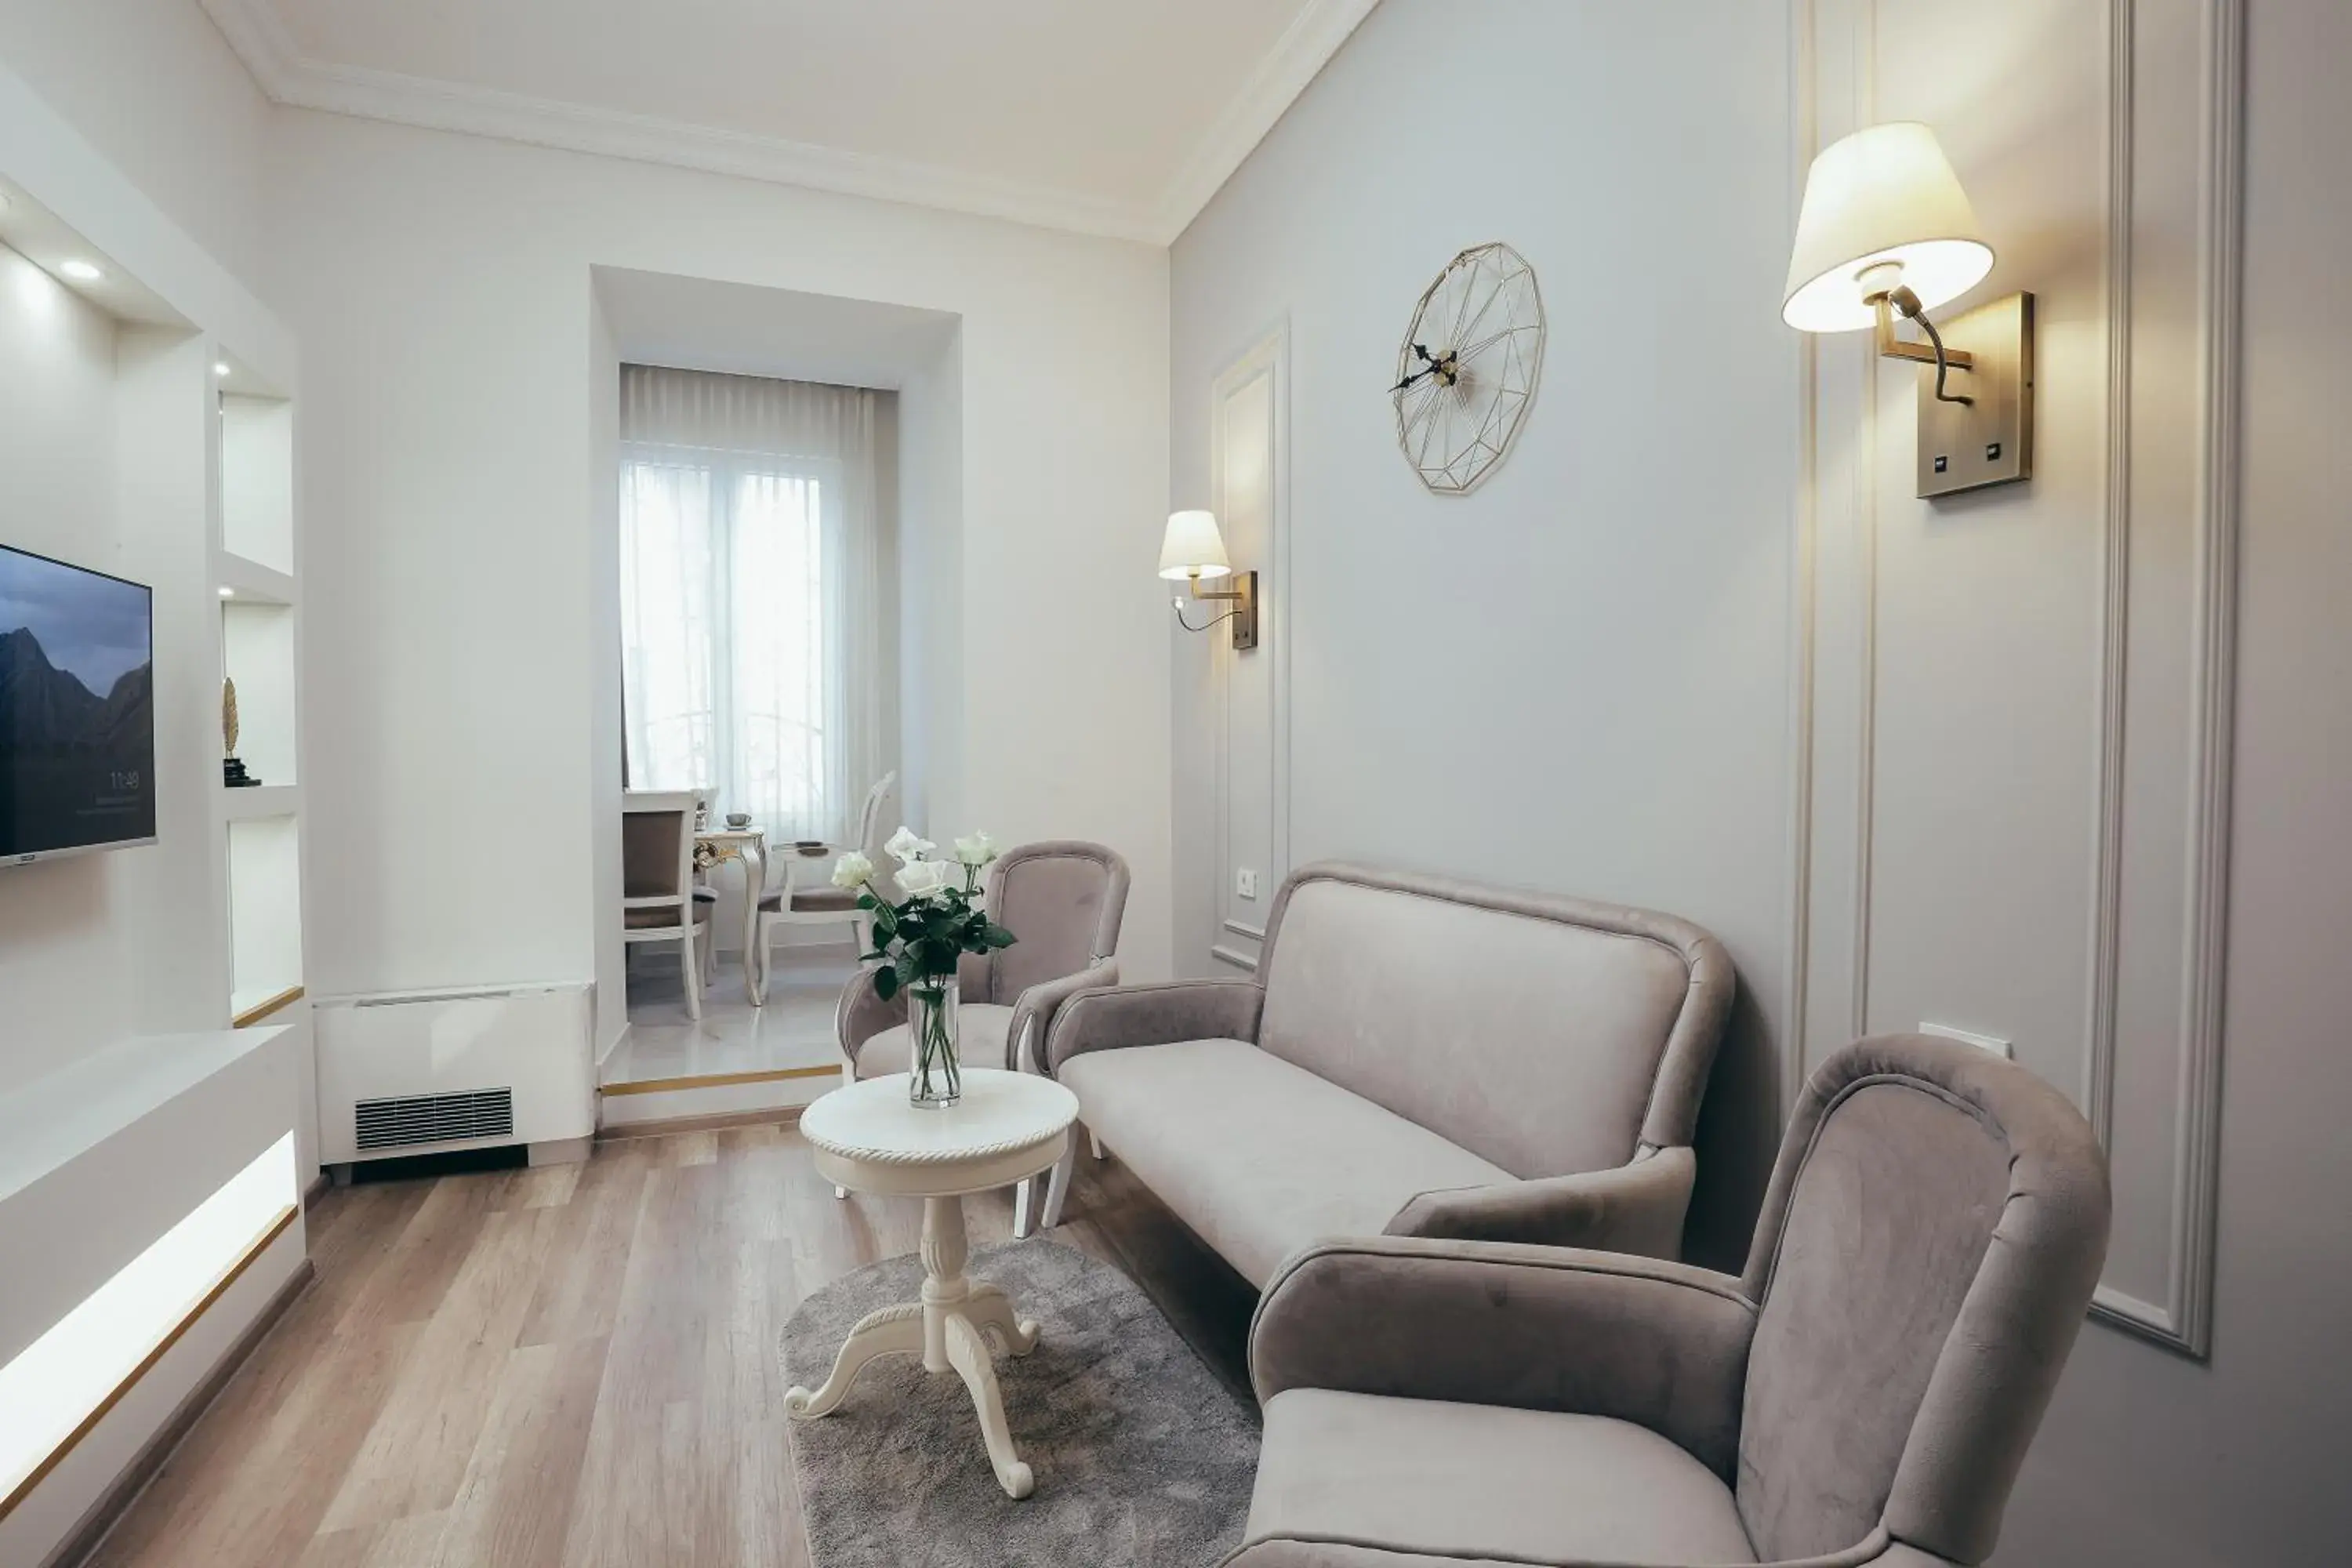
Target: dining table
{"x": 715, "y": 844}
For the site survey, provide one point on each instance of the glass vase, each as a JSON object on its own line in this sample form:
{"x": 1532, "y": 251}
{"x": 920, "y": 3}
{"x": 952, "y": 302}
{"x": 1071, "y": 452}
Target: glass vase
{"x": 936, "y": 1077}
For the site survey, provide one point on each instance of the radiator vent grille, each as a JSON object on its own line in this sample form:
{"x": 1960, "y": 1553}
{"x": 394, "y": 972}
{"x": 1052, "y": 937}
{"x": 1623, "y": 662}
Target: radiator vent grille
{"x": 411, "y": 1119}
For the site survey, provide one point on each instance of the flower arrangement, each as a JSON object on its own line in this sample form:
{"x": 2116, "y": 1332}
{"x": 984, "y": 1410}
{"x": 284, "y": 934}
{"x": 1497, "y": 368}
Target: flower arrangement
{"x": 918, "y": 940}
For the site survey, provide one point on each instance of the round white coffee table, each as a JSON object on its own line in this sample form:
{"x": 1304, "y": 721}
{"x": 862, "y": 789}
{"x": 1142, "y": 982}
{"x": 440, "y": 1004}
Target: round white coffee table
{"x": 1009, "y": 1127}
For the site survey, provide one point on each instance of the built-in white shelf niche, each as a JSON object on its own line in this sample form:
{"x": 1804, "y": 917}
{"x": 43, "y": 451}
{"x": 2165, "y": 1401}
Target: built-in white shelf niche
{"x": 258, "y": 650}
{"x": 258, "y": 481}
{"x": 265, "y": 908}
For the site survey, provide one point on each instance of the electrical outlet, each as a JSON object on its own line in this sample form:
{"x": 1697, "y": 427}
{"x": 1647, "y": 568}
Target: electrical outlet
{"x": 1245, "y": 883}
{"x": 1982, "y": 1042}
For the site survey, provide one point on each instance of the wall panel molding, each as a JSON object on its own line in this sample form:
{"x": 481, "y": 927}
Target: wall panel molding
{"x": 2166, "y": 572}
{"x": 1249, "y": 488}
{"x": 1804, "y": 121}
{"x": 2181, "y": 1318}
{"x": 1835, "y": 653}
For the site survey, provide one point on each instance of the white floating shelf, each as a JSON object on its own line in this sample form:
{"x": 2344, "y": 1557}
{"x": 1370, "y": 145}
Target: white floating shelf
{"x": 260, "y": 801}
{"x": 251, "y": 583}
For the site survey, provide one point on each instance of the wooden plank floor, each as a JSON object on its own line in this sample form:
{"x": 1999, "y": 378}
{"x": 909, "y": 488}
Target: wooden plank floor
{"x": 574, "y": 1364}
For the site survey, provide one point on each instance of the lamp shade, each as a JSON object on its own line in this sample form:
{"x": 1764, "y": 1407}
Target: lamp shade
{"x": 1193, "y": 548}
{"x": 1884, "y": 193}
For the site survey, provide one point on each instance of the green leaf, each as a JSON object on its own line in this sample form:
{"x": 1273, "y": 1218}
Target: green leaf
{"x": 886, "y": 982}
{"x": 996, "y": 936}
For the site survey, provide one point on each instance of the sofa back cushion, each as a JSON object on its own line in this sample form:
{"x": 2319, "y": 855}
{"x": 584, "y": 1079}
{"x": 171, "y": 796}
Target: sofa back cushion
{"x": 1929, "y": 1243}
{"x": 1500, "y": 1022}
{"x": 1886, "y": 1227}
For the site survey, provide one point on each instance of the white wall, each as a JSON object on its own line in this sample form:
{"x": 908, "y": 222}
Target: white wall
{"x": 64, "y": 924}
{"x": 157, "y": 90}
{"x": 441, "y": 285}
{"x": 1573, "y": 679}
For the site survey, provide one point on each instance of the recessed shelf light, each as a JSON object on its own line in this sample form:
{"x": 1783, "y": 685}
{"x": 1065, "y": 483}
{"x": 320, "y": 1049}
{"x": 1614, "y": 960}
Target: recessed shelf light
{"x": 226, "y": 592}
{"x": 81, "y": 271}
{"x": 220, "y": 367}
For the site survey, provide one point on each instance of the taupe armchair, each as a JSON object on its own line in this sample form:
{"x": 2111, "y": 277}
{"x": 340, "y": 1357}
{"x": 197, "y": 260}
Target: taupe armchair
{"x": 1062, "y": 901}
{"x": 1864, "y": 1393}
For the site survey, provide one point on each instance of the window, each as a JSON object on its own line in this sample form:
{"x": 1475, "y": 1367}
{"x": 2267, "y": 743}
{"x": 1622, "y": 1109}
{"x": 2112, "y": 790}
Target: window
{"x": 748, "y": 595}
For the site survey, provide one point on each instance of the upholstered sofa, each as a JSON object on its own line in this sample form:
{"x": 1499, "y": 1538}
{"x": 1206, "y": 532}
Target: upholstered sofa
{"x": 1862, "y": 1393}
{"x": 1417, "y": 1056}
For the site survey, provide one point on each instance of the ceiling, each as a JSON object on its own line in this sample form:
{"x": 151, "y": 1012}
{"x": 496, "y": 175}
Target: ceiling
{"x": 1118, "y": 117}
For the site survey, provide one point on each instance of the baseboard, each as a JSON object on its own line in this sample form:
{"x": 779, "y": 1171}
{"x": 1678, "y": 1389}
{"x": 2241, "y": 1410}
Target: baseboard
{"x": 779, "y": 1116}
{"x": 319, "y": 1184}
{"x": 105, "y": 1513}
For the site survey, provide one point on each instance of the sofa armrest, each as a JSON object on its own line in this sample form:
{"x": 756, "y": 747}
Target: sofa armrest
{"x": 1154, "y": 1014}
{"x": 861, "y": 1014}
{"x": 1539, "y": 1327}
{"x": 1034, "y": 1009}
{"x": 1636, "y": 1208}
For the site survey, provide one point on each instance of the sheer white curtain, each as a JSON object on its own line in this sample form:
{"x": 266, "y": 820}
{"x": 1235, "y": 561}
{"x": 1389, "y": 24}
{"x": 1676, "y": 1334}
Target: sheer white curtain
{"x": 750, "y": 588}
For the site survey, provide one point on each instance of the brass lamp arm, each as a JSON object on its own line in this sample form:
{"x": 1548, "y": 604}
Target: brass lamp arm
{"x": 1241, "y": 595}
{"x": 1901, "y": 299}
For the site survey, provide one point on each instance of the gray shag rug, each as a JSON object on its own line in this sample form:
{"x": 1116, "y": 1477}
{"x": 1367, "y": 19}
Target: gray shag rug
{"x": 1143, "y": 1459}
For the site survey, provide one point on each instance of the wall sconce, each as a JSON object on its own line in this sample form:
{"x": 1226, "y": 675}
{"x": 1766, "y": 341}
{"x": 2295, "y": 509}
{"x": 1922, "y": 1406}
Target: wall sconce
{"x": 1886, "y": 231}
{"x": 1192, "y": 550}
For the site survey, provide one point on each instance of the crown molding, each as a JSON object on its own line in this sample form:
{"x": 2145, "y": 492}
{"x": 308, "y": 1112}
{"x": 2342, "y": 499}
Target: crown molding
{"x": 261, "y": 37}
{"x": 1306, "y": 47}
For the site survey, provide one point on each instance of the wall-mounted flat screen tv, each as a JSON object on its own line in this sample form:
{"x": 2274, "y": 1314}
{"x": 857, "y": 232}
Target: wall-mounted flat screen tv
{"x": 76, "y": 709}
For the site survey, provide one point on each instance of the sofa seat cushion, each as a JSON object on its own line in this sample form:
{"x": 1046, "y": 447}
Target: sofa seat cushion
{"x": 1258, "y": 1156}
{"x": 979, "y": 1041}
{"x": 1488, "y": 1482}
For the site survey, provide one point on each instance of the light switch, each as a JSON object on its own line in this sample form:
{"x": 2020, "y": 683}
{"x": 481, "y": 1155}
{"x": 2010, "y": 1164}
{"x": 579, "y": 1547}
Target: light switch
{"x": 1245, "y": 883}
{"x": 1982, "y": 1042}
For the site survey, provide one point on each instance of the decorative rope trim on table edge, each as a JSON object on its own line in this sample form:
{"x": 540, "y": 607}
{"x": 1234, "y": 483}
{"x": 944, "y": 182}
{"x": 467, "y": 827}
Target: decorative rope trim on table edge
{"x": 933, "y": 1156}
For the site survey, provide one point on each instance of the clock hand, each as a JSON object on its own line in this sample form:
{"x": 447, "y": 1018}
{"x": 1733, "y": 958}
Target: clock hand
{"x": 1434, "y": 366}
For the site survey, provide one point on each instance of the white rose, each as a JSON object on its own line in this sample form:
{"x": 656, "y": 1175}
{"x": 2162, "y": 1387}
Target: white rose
{"x": 977, "y": 850}
{"x": 852, "y": 870}
{"x": 923, "y": 879}
{"x": 905, "y": 849}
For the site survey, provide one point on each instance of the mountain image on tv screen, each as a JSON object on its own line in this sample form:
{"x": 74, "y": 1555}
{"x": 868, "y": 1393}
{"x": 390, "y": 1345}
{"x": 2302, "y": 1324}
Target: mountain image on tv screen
{"x": 77, "y": 709}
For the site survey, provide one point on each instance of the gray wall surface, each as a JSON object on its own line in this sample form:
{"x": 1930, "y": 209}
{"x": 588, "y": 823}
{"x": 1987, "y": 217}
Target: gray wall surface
{"x": 1695, "y": 643}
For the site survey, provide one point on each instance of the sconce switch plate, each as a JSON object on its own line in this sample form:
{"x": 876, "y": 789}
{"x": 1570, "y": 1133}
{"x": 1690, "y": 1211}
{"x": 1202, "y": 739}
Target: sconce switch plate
{"x": 1990, "y": 441}
{"x": 1998, "y": 1047}
{"x": 1244, "y": 611}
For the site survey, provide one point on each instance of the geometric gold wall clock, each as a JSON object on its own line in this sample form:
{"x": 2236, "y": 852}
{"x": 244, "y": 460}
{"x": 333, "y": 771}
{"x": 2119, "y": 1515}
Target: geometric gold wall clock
{"x": 1468, "y": 366}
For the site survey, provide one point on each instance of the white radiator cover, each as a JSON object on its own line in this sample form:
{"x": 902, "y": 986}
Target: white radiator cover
{"x": 533, "y": 1042}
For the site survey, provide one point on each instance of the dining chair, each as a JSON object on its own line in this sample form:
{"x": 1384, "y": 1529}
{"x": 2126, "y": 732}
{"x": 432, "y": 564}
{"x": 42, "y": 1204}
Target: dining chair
{"x": 704, "y": 893}
{"x": 822, "y": 904}
{"x": 657, "y": 892}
